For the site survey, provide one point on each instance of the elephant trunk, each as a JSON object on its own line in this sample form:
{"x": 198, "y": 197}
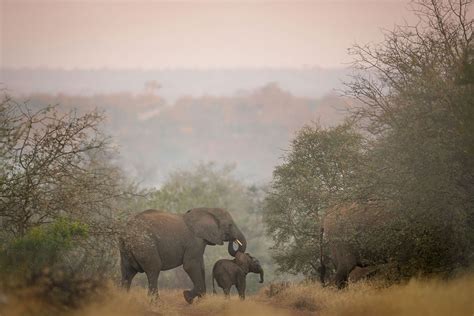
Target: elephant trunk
{"x": 238, "y": 239}
{"x": 261, "y": 275}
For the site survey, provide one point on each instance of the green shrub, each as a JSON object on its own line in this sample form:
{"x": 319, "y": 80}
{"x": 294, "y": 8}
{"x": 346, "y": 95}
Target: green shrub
{"x": 38, "y": 264}
{"x": 41, "y": 248}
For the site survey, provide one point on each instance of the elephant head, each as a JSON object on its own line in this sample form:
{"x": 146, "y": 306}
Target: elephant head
{"x": 249, "y": 264}
{"x": 255, "y": 267}
{"x": 215, "y": 225}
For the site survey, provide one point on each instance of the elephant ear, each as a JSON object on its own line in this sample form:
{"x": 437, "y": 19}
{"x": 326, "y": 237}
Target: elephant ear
{"x": 204, "y": 225}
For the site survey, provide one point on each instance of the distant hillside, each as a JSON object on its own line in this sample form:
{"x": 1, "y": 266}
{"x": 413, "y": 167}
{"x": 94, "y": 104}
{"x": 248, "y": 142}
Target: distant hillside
{"x": 249, "y": 129}
{"x": 172, "y": 83}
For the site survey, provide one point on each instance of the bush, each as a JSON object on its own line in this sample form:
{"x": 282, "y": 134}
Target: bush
{"x": 36, "y": 264}
{"x": 41, "y": 248}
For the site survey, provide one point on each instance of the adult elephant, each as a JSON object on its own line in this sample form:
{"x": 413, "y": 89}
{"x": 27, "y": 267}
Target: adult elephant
{"x": 353, "y": 236}
{"x": 156, "y": 241}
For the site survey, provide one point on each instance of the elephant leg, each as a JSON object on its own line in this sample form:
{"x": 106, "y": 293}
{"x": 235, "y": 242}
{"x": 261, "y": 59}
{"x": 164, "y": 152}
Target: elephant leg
{"x": 152, "y": 277}
{"x": 346, "y": 261}
{"x": 194, "y": 267}
{"x": 149, "y": 261}
{"x": 127, "y": 277}
{"x": 241, "y": 285}
{"x": 342, "y": 276}
{"x": 226, "y": 292}
{"x": 127, "y": 271}
{"x": 203, "y": 274}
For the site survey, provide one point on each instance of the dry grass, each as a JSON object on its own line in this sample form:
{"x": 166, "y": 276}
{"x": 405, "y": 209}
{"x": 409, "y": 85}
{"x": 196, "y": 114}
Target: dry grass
{"x": 432, "y": 297}
{"x": 171, "y": 303}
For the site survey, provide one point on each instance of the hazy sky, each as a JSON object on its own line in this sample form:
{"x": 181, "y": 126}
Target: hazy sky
{"x": 203, "y": 34}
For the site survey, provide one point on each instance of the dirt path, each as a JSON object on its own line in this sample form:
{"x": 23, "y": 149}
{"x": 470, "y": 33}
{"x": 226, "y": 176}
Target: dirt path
{"x": 173, "y": 304}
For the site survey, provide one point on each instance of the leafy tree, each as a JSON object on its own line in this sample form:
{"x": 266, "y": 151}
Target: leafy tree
{"x": 319, "y": 171}
{"x": 58, "y": 165}
{"x": 417, "y": 162}
{"x": 55, "y": 164}
{"x": 41, "y": 248}
{"x": 42, "y": 260}
{"x": 417, "y": 94}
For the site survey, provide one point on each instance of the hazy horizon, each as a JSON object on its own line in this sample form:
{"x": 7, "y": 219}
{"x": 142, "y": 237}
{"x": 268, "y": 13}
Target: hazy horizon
{"x": 182, "y": 82}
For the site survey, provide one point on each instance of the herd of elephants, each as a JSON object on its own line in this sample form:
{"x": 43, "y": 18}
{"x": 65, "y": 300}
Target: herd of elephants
{"x": 157, "y": 241}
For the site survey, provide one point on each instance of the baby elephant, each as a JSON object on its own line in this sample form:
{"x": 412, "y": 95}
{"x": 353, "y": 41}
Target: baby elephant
{"x": 233, "y": 272}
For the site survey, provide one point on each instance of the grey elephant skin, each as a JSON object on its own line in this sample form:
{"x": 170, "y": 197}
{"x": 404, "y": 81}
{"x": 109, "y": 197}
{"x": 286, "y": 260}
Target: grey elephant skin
{"x": 156, "y": 241}
{"x": 234, "y": 272}
{"x": 345, "y": 255}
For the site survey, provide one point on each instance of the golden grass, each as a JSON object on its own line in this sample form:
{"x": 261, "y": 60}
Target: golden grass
{"x": 171, "y": 303}
{"x": 429, "y": 297}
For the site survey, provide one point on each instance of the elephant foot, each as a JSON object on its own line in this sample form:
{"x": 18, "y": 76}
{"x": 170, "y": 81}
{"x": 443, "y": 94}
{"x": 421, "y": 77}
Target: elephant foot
{"x": 188, "y": 296}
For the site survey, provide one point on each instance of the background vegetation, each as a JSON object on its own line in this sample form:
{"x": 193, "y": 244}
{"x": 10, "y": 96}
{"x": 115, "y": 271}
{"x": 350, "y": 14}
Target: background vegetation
{"x": 406, "y": 155}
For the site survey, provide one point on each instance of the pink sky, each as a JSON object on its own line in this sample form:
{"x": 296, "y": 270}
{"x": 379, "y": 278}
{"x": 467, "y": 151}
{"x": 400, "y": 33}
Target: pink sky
{"x": 198, "y": 34}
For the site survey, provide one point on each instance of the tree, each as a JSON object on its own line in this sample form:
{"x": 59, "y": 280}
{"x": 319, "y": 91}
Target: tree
{"x": 319, "y": 171}
{"x": 58, "y": 165}
{"x": 54, "y": 164}
{"x": 61, "y": 201}
{"x": 417, "y": 94}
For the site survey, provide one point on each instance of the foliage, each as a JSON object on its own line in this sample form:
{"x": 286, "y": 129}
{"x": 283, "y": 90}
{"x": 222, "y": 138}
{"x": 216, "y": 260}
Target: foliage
{"x": 320, "y": 170}
{"x": 58, "y": 164}
{"x": 54, "y": 164}
{"x": 417, "y": 92}
{"x": 204, "y": 186}
{"x": 410, "y": 179}
{"x": 41, "y": 248}
{"x": 36, "y": 264}
{"x": 61, "y": 198}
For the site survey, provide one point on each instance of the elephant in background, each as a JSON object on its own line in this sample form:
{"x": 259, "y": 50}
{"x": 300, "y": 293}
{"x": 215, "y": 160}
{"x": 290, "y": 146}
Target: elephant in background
{"x": 156, "y": 241}
{"x": 388, "y": 272}
{"x": 234, "y": 272}
{"x": 348, "y": 229}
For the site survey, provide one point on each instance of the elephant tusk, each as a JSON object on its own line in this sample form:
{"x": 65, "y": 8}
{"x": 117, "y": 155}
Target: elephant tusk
{"x": 238, "y": 241}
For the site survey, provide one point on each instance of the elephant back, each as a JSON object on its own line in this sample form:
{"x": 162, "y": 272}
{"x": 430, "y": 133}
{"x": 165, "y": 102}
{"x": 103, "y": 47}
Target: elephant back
{"x": 157, "y": 226}
{"x": 345, "y": 220}
{"x": 354, "y": 229}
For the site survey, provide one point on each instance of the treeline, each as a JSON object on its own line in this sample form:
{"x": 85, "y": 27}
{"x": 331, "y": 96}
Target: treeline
{"x": 308, "y": 82}
{"x": 247, "y": 127}
{"x": 395, "y": 183}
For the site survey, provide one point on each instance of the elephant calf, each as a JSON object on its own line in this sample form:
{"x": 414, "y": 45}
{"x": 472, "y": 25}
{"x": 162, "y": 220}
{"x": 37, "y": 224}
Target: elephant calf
{"x": 233, "y": 272}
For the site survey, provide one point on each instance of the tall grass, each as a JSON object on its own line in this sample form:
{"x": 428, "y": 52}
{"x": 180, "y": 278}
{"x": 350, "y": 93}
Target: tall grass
{"x": 417, "y": 297}
{"x": 171, "y": 303}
